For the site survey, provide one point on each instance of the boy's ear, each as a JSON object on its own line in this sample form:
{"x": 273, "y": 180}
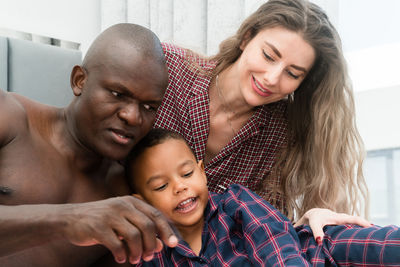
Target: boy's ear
{"x": 78, "y": 79}
{"x": 201, "y": 165}
{"x": 138, "y": 196}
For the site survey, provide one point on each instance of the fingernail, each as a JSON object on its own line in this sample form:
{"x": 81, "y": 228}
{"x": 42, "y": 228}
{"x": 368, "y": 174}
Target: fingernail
{"x": 120, "y": 260}
{"x": 173, "y": 240}
{"x": 319, "y": 240}
{"x": 134, "y": 261}
{"x": 148, "y": 258}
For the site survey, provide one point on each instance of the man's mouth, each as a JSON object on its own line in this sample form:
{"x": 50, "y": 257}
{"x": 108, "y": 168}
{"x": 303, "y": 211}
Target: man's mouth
{"x": 122, "y": 137}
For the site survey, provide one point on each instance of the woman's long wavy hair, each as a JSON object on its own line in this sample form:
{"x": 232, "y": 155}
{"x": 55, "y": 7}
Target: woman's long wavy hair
{"x": 321, "y": 166}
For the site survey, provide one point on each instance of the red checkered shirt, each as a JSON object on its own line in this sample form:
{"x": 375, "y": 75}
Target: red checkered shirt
{"x": 248, "y": 158}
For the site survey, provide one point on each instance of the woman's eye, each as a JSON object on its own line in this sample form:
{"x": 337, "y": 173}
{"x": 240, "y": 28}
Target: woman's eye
{"x": 160, "y": 188}
{"x": 293, "y": 75}
{"x": 268, "y": 57}
{"x": 188, "y": 174}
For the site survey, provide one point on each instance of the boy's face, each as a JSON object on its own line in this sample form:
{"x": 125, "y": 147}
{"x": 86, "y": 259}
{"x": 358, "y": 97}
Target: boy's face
{"x": 169, "y": 178}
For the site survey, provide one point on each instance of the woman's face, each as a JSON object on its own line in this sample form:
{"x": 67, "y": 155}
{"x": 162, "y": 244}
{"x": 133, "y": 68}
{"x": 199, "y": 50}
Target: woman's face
{"x": 272, "y": 65}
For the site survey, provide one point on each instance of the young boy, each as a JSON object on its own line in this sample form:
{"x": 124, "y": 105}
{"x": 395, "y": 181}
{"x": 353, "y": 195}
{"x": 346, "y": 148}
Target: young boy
{"x": 236, "y": 228}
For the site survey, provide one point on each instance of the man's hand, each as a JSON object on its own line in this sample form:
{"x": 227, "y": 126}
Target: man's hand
{"x": 126, "y": 225}
{"x": 318, "y": 218}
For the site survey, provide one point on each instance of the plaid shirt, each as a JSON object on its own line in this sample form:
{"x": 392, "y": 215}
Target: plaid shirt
{"x": 242, "y": 229}
{"x": 248, "y": 158}
{"x": 352, "y": 245}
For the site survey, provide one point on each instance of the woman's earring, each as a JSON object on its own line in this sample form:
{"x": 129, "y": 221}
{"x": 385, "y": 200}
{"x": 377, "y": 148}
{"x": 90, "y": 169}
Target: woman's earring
{"x": 291, "y": 97}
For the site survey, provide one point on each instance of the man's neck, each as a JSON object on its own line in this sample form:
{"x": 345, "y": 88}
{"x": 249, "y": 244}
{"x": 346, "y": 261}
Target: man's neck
{"x": 68, "y": 144}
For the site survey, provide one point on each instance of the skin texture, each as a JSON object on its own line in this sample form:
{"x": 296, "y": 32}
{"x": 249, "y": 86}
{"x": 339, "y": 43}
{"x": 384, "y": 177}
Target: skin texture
{"x": 59, "y": 168}
{"x": 169, "y": 171}
{"x": 270, "y": 62}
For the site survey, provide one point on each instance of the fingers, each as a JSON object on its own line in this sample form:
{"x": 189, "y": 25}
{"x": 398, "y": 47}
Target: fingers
{"x": 145, "y": 223}
{"x": 349, "y": 219}
{"x": 164, "y": 230}
{"x": 317, "y": 230}
{"x": 318, "y": 218}
{"x": 159, "y": 246}
{"x": 110, "y": 240}
{"x": 132, "y": 241}
{"x": 146, "y": 230}
{"x": 127, "y": 226}
{"x": 300, "y": 222}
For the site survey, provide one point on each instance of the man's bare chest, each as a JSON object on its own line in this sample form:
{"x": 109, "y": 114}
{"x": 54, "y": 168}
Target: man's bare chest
{"x": 33, "y": 172}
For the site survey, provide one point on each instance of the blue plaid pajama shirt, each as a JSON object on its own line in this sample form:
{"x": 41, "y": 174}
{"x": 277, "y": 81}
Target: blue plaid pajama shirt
{"x": 242, "y": 229}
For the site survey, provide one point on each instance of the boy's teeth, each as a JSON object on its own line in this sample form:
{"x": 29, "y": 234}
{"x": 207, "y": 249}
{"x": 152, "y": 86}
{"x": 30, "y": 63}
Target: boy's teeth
{"x": 187, "y": 201}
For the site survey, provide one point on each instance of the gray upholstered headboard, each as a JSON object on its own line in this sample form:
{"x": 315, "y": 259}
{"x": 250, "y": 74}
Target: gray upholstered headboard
{"x": 38, "y": 71}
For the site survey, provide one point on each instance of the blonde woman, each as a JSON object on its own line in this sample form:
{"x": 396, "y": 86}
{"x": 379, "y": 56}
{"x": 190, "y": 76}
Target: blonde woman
{"x": 273, "y": 111}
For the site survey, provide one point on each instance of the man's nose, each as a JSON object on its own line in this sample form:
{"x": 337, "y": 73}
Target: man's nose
{"x": 131, "y": 114}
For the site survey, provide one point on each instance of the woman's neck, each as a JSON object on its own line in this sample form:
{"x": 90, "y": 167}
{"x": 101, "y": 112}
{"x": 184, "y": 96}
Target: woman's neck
{"x": 227, "y": 96}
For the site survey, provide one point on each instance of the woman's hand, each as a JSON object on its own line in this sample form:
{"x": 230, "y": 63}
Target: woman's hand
{"x": 317, "y": 218}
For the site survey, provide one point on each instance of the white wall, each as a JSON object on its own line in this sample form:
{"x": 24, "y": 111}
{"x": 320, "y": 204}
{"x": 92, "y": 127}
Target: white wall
{"x": 72, "y": 20}
{"x": 378, "y": 117}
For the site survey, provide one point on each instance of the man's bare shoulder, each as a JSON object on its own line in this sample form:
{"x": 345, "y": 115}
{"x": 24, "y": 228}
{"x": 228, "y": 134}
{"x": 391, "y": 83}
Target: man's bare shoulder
{"x": 12, "y": 118}
{"x": 34, "y": 111}
{"x": 19, "y": 113}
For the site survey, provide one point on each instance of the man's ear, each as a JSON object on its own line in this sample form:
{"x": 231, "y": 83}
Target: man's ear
{"x": 245, "y": 41}
{"x": 78, "y": 79}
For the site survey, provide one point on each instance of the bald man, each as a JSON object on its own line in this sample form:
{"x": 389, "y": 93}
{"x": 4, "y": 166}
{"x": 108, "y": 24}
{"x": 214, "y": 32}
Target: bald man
{"x": 59, "y": 170}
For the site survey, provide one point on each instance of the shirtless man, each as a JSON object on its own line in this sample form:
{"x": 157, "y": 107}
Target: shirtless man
{"x": 59, "y": 173}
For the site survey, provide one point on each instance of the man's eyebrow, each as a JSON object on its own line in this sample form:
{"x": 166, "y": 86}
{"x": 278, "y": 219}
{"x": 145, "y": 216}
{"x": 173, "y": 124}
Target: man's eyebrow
{"x": 120, "y": 86}
{"x": 125, "y": 90}
{"x": 276, "y": 51}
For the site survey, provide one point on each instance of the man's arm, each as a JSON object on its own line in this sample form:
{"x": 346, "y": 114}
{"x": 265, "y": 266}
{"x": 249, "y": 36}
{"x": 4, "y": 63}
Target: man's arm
{"x": 125, "y": 225}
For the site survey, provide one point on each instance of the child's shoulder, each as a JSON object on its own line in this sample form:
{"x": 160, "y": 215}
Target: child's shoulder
{"x": 235, "y": 194}
{"x": 241, "y": 197}
{"x": 240, "y": 190}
